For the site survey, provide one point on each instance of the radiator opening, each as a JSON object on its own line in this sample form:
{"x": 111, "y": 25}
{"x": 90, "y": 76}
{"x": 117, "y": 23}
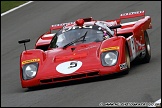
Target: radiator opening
{"x": 62, "y": 78}
{"x": 46, "y": 81}
{"x": 77, "y": 76}
{"x": 92, "y": 74}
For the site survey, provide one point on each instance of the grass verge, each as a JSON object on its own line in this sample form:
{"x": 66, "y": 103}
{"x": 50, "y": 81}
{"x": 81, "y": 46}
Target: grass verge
{"x": 7, "y": 5}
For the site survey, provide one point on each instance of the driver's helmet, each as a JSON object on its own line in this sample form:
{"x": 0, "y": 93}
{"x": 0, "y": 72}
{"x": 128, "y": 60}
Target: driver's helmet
{"x": 105, "y": 36}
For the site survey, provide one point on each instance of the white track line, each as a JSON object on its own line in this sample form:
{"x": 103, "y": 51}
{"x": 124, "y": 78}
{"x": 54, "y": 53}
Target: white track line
{"x": 16, "y": 8}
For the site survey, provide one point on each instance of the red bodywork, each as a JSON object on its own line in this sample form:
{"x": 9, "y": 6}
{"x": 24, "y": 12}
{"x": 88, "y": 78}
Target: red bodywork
{"x": 88, "y": 54}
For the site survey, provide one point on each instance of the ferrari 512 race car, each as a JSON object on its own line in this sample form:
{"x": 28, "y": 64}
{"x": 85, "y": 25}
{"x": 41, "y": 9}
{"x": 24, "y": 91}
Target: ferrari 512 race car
{"x": 86, "y": 48}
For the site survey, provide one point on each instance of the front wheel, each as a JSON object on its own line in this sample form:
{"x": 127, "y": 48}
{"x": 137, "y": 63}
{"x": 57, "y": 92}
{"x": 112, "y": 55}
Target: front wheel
{"x": 127, "y": 60}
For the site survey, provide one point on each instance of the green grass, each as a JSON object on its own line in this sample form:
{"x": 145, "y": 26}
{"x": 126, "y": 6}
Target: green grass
{"x": 7, "y": 5}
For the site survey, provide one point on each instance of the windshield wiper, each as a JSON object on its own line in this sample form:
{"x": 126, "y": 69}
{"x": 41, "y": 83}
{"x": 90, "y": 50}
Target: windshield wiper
{"x": 76, "y": 40}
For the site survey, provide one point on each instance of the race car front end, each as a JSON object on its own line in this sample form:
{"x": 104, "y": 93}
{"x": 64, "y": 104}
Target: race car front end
{"x": 84, "y": 61}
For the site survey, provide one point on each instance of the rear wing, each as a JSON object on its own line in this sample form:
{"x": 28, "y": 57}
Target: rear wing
{"x": 132, "y": 15}
{"x": 128, "y": 15}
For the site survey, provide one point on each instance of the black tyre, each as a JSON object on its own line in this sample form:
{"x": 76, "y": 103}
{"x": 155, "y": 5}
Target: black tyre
{"x": 147, "y": 56}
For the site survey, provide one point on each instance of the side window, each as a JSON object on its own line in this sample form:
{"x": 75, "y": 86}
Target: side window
{"x": 53, "y": 42}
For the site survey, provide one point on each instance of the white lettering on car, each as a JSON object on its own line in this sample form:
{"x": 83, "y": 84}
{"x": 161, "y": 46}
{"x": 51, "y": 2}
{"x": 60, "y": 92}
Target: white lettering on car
{"x": 131, "y": 13}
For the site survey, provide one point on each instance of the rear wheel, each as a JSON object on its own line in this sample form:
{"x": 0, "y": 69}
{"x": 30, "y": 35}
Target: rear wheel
{"x": 147, "y": 57}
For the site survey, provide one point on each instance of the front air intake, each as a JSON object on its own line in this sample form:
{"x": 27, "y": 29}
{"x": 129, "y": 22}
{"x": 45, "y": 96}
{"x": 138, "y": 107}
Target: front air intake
{"x": 68, "y": 78}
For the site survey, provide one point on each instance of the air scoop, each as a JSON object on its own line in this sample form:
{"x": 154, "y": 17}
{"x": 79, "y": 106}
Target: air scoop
{"x": 79, "y": 22}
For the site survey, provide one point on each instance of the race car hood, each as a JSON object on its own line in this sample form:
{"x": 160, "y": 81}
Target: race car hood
{"x": 72, "y": 60}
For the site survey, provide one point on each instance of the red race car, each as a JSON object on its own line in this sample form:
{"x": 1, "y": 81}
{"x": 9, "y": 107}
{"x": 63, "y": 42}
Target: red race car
{"x": 86, "y": 48}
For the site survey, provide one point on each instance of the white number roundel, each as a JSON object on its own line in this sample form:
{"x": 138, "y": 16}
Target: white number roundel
{"x": 69, "y": 67}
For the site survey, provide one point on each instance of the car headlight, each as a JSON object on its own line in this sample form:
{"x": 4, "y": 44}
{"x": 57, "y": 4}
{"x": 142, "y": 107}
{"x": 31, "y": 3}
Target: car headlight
{"x": 30, "y": 70}
{"x": 109, "y": 58}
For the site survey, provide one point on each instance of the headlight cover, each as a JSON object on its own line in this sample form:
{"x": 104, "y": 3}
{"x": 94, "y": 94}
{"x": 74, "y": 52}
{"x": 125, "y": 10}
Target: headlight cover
{"x": 109, "y": 58}
{"x": 30, "y": 70}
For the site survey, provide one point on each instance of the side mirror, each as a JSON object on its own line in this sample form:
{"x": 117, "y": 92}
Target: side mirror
{"x": 115, "y": 27}
{"x": 24, "y": 41}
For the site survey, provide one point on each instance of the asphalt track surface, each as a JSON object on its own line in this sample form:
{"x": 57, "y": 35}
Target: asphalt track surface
{"x": 142, "y": 84}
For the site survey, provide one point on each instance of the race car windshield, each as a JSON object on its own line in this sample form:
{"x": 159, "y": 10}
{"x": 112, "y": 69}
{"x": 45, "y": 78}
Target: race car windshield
{"x": 67, "y": 35}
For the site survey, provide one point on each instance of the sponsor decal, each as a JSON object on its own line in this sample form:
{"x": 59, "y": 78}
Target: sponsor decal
{"x": 110, "y": 48}
{"x": 132, "y": 13}
{"x": 69, "y": 67}
{"x": 30, "y": 61}
{"x": 63, "y": 24}
{"x": 75, "y": 27}
{"x": 123, "y": 66}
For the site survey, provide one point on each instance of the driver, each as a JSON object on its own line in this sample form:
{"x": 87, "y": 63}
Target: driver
{"x": 105, "y": 36}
